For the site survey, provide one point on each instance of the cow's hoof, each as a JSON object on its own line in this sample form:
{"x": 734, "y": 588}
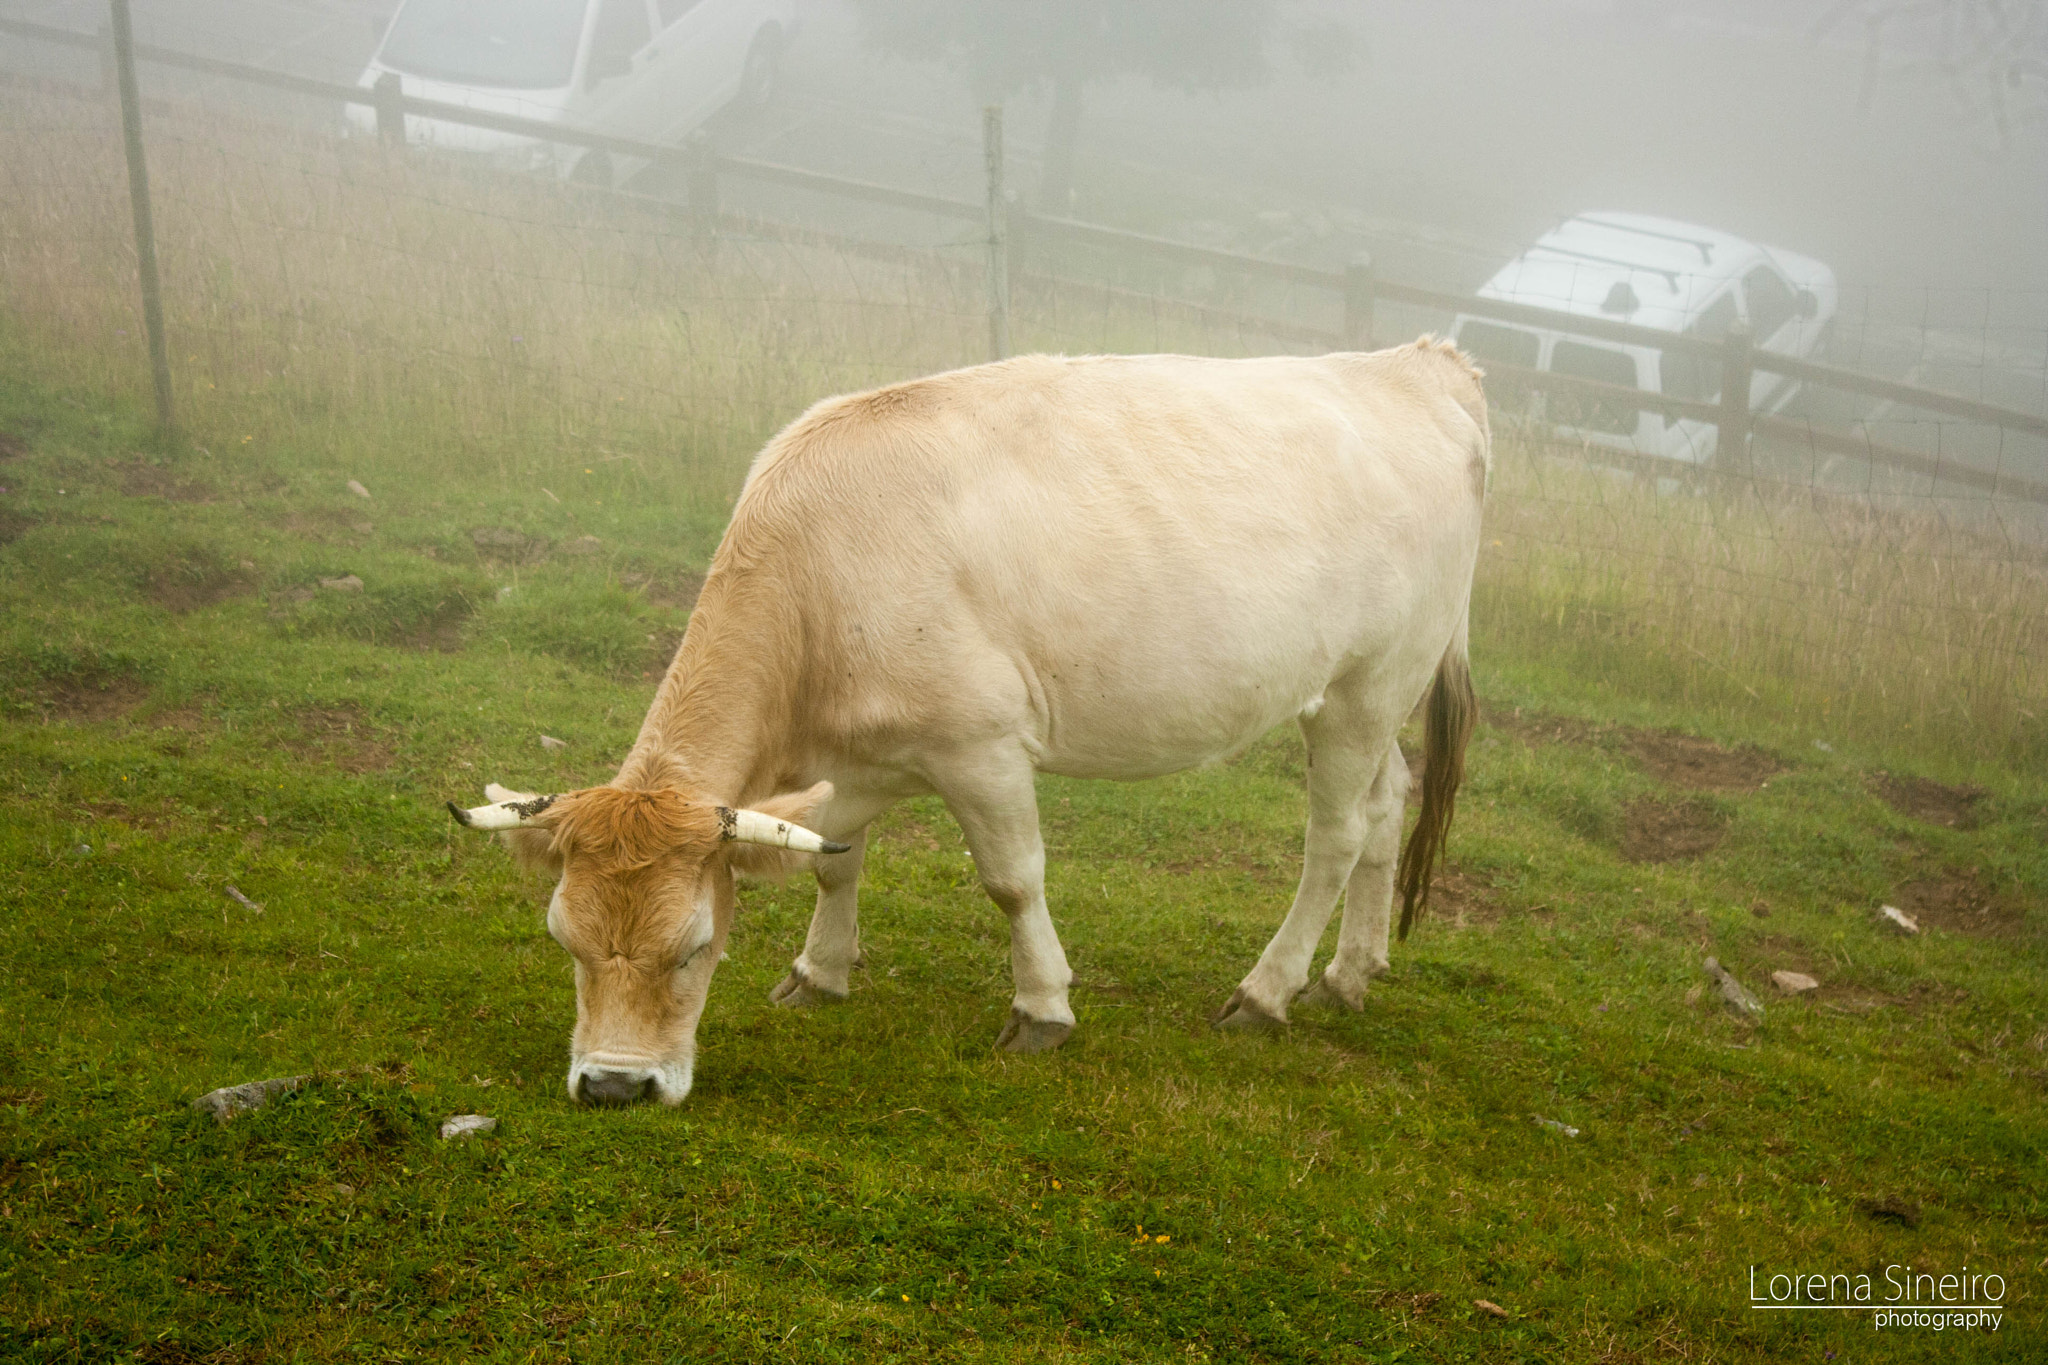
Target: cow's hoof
{"x": 1025, "y": 1034}
{"x": 1328, "y": 994}
{"x": 798, "y": 992}
{"x": 1243, "y": 1014}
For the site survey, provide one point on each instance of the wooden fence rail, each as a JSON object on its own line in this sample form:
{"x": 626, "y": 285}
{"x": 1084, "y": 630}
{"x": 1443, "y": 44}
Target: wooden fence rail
{"x": 1028, "y": 236}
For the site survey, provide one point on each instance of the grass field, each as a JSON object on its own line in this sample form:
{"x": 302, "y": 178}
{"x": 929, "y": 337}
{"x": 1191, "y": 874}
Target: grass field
{"x": 224, "y": 857}
{"x": 188, "y": 711}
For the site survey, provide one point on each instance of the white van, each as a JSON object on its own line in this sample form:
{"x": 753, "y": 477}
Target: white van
{"x": 1657, "y": 273}
{"x": 650, "y": 70}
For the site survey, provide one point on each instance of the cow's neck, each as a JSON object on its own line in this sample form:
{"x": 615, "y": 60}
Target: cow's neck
{"x": 725, "y": 720}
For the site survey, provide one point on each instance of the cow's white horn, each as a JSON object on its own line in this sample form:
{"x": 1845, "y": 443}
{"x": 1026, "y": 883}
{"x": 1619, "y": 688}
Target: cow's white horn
{"x": 752, "y": 827}
{"x": 502, "y": 814}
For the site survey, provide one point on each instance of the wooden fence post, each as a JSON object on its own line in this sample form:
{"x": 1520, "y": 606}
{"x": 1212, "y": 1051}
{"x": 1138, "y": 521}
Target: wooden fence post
{"x": 1731, "y": 441}
{"x": 998, "y": 235}
{"x": 145, "y": 226}
{"x": 1358, "y": 302}
{"x": 389, "y": 93}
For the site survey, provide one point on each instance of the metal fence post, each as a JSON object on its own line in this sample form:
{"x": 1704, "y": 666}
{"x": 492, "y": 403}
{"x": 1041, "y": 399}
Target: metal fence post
{"x": 998, "y": 235}
{"x": 1732, "y": 439}
{"x": 389, "y": 93}
{"x": 1358, "y": 302}
{"x": 145, "y": 227}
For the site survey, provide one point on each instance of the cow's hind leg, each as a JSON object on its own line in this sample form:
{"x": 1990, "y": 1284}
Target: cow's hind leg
{"x": 993, "y": 798}
{"x": 1343, "y": 763}
{"x": 1369, "y": 895}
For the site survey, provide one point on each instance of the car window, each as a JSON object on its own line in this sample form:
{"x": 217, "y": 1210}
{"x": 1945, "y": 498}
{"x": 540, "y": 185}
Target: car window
{"x": 508, "y": 45}
{"x": 1593, "y": 362}
{"x": 1771, "y": 304}
{"x": 621, "y": 31}
{"x": 1698, "y": 377}
{"x": 672, "y": 10}
{"x": 1503, "y": 345}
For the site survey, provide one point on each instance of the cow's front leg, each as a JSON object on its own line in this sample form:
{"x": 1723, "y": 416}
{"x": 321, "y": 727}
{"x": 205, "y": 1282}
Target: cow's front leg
{"x": 822, "y": 972}
{"x": 993, "y": 798}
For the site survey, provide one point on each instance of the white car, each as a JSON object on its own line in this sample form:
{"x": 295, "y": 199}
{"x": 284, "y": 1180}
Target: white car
{"x": 1668, "y": 276}
{"x": 649, "y": 70}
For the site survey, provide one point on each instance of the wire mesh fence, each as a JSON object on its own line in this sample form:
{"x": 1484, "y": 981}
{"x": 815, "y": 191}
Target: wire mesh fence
{"x": 332, "y": 293}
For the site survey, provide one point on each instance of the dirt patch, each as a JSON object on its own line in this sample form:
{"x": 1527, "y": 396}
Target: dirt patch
{"x": 1460, "y": 900}
{"x": 661, "y": 651}
{"x": 12, "y": 447}
{"x": 96, "y": 699}
{"x": 341, "y": 738}
{"x": 681, "y": 590}
{"x": 1700, "y": 764}
{"x": 180, "y": 591}
{"x": 1227, "y": 860}
{"x": 320, "y": 523}
{"x": 14, "y": 525}
{"x": 1960, "y": 903}
{"x": 1661, "y": 831}
{"x": 1924, "y": 799}
{"x": 509, "y": 545}
{"x": 137, "y": 478}
{"x": 441, "y": 635}
{"x": 1540, "y": 727}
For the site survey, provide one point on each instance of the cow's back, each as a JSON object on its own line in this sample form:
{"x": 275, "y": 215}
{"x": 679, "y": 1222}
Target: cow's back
{"x": 1137, "y": 562}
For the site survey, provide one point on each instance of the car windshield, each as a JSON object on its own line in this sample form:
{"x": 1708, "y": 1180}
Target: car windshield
{"x": 504, "y": 45}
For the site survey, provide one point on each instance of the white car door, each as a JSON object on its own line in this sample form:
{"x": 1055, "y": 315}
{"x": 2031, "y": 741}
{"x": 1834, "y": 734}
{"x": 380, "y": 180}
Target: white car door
{"x": 702, "y": 47}
{"x": 616, "y": 96}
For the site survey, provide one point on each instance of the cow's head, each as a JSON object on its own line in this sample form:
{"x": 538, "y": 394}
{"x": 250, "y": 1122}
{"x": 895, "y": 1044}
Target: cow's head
{"x": 643, "y": 902}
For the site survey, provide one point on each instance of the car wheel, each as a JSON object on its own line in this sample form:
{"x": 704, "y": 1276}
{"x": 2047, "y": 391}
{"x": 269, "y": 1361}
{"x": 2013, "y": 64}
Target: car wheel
{"x": 757, "y": 76}
{"x": 593, "y": 168}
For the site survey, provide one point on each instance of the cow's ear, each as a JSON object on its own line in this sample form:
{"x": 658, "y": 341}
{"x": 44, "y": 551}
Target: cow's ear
{"x": 762, "y": 862}
{"x": 534, "y": 850}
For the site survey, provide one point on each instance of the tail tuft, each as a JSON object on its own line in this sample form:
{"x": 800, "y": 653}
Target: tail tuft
{"x": 1447, "y": 727}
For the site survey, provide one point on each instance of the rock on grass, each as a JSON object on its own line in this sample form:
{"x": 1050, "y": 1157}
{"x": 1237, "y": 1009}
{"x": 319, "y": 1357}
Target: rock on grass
{"x": 231, "y": 1100}
{"x": 466, "y": 1125}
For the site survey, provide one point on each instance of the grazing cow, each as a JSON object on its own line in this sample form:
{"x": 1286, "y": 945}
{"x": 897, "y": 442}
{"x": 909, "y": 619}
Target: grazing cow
{"x": 1105, "y": 566}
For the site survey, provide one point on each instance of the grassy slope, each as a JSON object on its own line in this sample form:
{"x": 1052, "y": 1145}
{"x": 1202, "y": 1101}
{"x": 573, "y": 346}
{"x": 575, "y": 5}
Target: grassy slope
{"x": 871, "y": 1182}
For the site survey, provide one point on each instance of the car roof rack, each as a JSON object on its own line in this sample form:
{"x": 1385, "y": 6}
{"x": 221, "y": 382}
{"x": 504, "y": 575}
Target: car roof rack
{"x": 1670, "y": 276}
{"x": 1705, "y": 248}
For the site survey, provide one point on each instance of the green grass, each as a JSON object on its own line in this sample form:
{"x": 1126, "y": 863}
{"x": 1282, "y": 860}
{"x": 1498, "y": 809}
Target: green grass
{"x": 183, "y": 709}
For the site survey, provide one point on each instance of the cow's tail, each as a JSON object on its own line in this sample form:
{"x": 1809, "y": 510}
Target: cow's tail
{"x": 1447, "y": 725}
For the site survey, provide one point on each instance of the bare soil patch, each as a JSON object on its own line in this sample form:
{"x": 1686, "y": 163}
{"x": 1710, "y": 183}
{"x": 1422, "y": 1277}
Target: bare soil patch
{"x": 1700, "y": 764}
{"x": 1539, "y": 727}
{"x": 681, "y": 590}
{"x": 14, "y": 525}
{"x": 1960, "y": 902}
{"x": 1924, "y": 799}
{"x": 137, "y": 478}
{"x": 1460, "y": 900}
{"x": 340, "y": 737}
{"x": 1227, "y": 860}
{"x": 179, "y": 592}
{"x": 12, "y": 447}
{"x": 1661, "y": 831}
{"x": 95, "y": 699}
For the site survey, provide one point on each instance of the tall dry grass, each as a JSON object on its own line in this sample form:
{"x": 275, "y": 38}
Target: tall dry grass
{"x": 426, "y": 317}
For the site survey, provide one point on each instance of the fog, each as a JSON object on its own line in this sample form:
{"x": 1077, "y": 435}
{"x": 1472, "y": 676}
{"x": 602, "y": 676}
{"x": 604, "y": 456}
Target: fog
{"x": 1904, "y": 144}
